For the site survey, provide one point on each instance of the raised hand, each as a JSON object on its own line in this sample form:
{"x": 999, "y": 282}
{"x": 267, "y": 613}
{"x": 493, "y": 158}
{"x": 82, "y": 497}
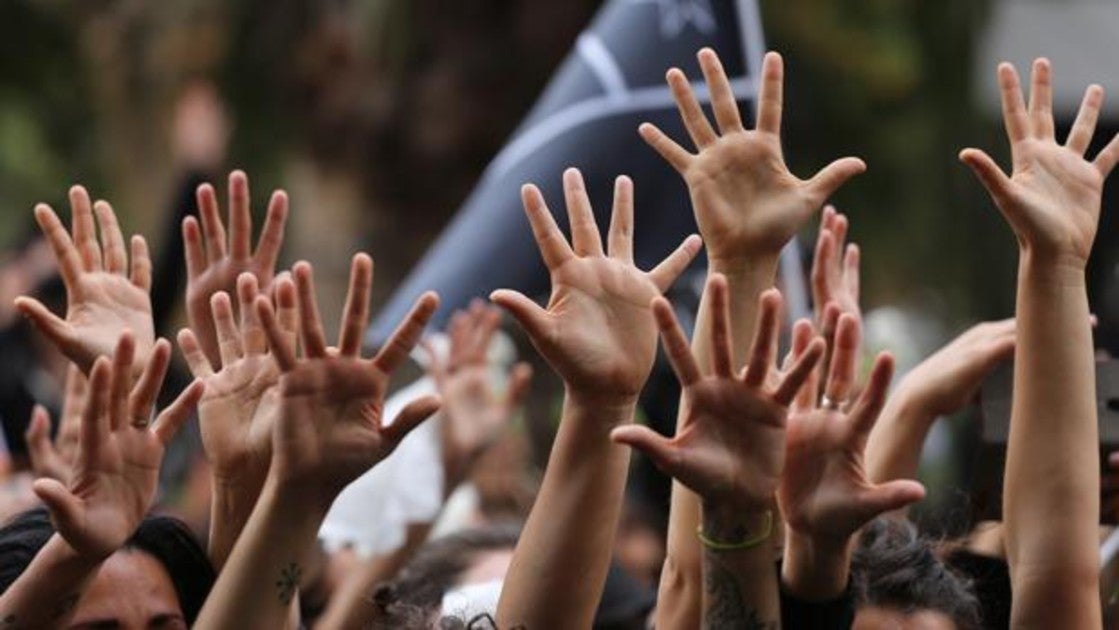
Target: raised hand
{"x": 1052, "y": 197}
{"x": 330, "y": 428}
{"x": 730, "y": 449}
{"x": 105, "y": 294}
{"x": 835, "y": 268}
{"x": 120, "y": 450}
{"x": 825, "y": 494}
{"x": 213, "y": 264}
{"x": 597, "y": 331}
{"x": 747, "y": 203}
{"x": 53, "y": 459}
{"x": 238, "y": 410}
{"x": 473, "y": 412}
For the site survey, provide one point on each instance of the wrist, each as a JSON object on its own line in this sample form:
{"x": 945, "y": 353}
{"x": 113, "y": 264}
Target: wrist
{"x": 727, "y": 526}
{"x": 605, "y": 411}
{"x": 1065, "y": 270}
{"x": 815, "y": 569}
{"x": 296, "y": 497}
{"x": 753, "y": 268}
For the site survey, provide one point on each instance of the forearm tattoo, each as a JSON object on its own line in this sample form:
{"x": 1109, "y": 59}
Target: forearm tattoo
{"x": 288, "y": 584}
{"x": 724, "y": 606}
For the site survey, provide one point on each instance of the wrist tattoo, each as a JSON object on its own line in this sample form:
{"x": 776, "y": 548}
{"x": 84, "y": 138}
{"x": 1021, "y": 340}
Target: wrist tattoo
{"x": 288, "y": 584}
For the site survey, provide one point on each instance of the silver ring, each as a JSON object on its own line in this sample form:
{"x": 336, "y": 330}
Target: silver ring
{"x": 829, "y": 404}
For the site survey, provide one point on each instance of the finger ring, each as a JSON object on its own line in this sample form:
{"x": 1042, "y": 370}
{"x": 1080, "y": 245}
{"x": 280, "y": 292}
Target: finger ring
{"x": 829, "y": 404}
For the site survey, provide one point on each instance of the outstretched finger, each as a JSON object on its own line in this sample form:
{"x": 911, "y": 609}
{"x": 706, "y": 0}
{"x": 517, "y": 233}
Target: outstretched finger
{"x": 1013, "y": 105}
{"x": 310, "y": 324}
{"x": 1108, "y": 157}
{"x": 676, "y": 346}
{"x": 229, "y": 338}
{"x": 171, "y": 419}
{"x": 659, "y": 449}
{"x": 851, "y": 271}
{"x": 287, "y": 307}
{"x": 721, "y": 341}
{"x": 695, "y": 121}
{"x": 669, "y": 269}
{"x": 990, "y": 175}
{"x": 821, "y": 285}
{"x": 585, "y": 238}
{"x": 529, "y": 315}
{"x": 845, "y": 354}
{"x": 193, "y": 250}
{"x": 196, "y": 359}
{"x": 272, "y": 234}
{"x": 121, "y": 380}
{"x": 828, "y": 180}
{"x": 40, "y": 450}
{"x": 771, "y": 95}
{"x": 355, "y": 315}
{"x": 553, "y": 246}
{"x": 253, "y": 341}
{"x": 65, "y": 252}
{"x": 887, "y": 497}
{"x": 146, "y": 391}
{"x": 865, "y": 412}
{"x": 764, "y": 349}
{"x": 112, "y": 240}
{"x": 212, "y": 229}
{"x": 410, "y": 417}
{"x": 723, "y": 102}
{"x": 407, "y": 333}
{"x": 619, "y": 240}
{"x": 240, "y": 216}
{"x": 802, "y": 336}
{"x": 1041, "y": 100}
{"x": 94, "y": 429}
{"x": 141, "y": 273}
{"x": 65, "y": 508}
{"x": 1085, "y": 126}
{"x": 84, "y": 230}
{"x": 676, "y": 155}
{"x": 520, "y": 380}
{"x": 800, "y": 372}
{"x": 279, "y": 342}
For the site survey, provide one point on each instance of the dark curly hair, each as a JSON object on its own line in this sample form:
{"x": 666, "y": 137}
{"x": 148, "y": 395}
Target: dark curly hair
{"x": 166, "y": 539}
{"x": 894, "y": 567}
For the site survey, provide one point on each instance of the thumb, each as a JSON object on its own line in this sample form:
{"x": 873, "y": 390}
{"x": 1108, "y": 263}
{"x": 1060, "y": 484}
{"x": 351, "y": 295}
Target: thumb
{"x": 64, "y": 507}
{"x": 824, "y": 183}
{"x": 889, "y": 496}
{"x": 53, "y": 327}
{"x": 654, "y": 445}
{"x": 990, "y": 175}
{"x": 532, "y": 318}
{"x": 37, "y": 436}
{"x": 410, "y": 417}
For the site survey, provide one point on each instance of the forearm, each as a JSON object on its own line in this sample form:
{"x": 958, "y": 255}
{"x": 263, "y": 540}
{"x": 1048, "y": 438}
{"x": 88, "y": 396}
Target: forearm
{"x": 681, "y": 585}
{"x": 261, "y": 577}
{"x": 1052, "y": 465}
{"x": 230, "y": 509}
{"x": 815, "y": 571}
{"x": 45, "y": 594}
{"x": 740, "y": 587}
{"x": 893, "y": 450}
{"x": 559, "y": 568}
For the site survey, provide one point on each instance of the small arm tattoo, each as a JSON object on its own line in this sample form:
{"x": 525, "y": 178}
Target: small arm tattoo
{"x": 288, "y": 583}
{"x": 724, "y": 605}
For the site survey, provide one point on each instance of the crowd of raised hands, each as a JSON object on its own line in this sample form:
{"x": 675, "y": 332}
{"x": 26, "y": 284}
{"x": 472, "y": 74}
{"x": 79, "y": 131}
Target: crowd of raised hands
{"x": 792, "y": 474}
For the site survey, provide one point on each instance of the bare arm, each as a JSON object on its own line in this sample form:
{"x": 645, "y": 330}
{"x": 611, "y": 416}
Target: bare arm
{"x": 599, "y": 336}
{"x": 328, "y": 432}
{"x": 747, "y": 205}
{"x": 1052, "y": 202}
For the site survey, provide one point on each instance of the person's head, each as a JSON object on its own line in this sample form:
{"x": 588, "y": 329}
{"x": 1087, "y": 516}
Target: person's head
{"x": 466, "y": 565}
{"x": 899, "y": 581}
{"x": 158, "y": 579}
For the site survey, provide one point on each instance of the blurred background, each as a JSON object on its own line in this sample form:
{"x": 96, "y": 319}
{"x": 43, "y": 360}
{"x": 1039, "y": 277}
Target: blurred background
{"x": 379, "y": 117}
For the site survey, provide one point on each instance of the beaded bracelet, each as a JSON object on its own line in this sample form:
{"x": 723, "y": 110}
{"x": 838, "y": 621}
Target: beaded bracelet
{"x": 749, "y": 543}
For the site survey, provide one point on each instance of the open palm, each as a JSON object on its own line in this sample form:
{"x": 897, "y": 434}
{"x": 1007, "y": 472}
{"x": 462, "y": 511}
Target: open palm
{"x": 746, "y": 200}
{"x": 117, "y": 465}
{"x": 105, "y": 294}
{"x": 730, "y": 448}
{"x": 1052, "y": 197}
{"x": 597, "y": 331}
